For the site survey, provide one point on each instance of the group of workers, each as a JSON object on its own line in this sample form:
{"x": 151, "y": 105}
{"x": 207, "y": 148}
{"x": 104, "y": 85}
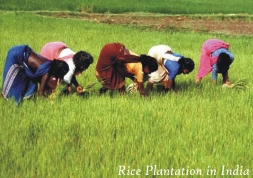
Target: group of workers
{"x": 27, "y": 73}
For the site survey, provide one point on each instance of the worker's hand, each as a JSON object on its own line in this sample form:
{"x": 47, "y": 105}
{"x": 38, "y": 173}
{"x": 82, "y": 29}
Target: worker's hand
{"x": 198, "y": 80}
{"x": 228, "y": 82}
{"x": 79, "y": 89}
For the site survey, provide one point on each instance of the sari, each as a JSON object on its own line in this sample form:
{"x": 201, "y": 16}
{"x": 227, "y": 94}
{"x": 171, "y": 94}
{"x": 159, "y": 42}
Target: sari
{"x": 110, "y": 68}
{"x": 19, "y": 81}
{"x": 206, "y": 59}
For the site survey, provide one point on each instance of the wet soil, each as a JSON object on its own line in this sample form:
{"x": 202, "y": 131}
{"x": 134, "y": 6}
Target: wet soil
{"x": 223, "y": 24}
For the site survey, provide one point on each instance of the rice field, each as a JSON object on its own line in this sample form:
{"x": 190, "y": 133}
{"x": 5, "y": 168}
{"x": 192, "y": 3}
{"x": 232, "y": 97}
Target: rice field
{"x": 200, "y": 131}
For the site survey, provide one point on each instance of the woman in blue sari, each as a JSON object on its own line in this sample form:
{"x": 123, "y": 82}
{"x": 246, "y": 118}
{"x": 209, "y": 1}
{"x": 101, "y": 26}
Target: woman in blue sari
{"x": 25, "y": 69}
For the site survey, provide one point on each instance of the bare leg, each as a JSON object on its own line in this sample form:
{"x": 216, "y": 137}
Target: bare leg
{"x": 149, "y": 86}
{"x": 102, "y": 90}
{"x": 122, "y": 90}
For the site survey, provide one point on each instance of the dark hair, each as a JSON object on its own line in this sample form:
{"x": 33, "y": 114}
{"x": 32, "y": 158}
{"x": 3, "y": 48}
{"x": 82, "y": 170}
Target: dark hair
{"x": 149, "y": 61}
{"x": 58, "y": 68}
{"x": 186, "y": 63}
{"x": 223, "y": 62}
{"x": 82, "y": 60}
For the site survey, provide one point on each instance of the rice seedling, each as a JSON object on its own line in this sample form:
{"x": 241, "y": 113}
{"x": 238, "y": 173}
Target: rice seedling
{"x": 199, "y": 126}
{"x": 241, "y": 84}
{"x": 90, "y": 87}
{"x": 132, "y": 88}
{"x": 62, "y": 90}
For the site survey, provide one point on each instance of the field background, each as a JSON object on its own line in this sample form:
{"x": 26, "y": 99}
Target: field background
{"x": 123, "y": 6}
{"x": 200, "y": 127}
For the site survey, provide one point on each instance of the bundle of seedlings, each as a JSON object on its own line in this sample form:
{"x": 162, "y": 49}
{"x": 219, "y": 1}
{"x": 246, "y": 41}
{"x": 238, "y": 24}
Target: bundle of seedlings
{"x": 90, "y": 87}
{"x": 241, "y": 84}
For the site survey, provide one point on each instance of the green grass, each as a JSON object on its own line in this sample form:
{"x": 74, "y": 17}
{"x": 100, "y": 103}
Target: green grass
{"x": 122, "y": 6}
{"x": 200, "y": 127}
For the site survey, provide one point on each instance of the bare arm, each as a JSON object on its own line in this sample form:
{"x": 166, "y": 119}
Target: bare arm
{"x": 149, "y": 86}
{"x": 74, "y": 81}
{"x": 141, "y": 88}
{"x": 43, "y": 83}
{"x": 170, "y": 85}
{"x": 79, "y": 88}
{"x": 226, "y": 78}
{"x": 213, "y": 82}
{"x": 198, "y": 80}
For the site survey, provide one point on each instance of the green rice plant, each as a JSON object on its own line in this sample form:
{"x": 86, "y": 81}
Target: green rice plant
{"x": 60, "y": 90}
{"x": 126, "y": 6}
{"x": 200, "y": 127}
{"x": 89, "y": 87}
{"x": 241, "y": 84}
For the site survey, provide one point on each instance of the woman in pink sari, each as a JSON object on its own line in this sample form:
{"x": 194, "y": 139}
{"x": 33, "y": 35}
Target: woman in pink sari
{"x": 77, "y": 62}
{"x": 215, "y": 58}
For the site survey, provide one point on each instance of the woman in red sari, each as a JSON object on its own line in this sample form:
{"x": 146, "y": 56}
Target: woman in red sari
{"x": 116, "y": 62}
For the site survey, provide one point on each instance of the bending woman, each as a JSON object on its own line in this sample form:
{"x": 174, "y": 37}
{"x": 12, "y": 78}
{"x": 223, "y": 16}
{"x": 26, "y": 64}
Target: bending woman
{"x": 24, "y": 70}
{"x": 78, "y": 62}
{"x": 116, "y": 62}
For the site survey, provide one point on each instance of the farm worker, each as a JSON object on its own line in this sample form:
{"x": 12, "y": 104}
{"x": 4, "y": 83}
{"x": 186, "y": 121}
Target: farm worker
{"x": 24, "y": 69}
{"x": 116, "y": 62}
{"x": 215, "y": 57}
{"x": 170, "y": 65}
{"x": 78, "y": 62}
